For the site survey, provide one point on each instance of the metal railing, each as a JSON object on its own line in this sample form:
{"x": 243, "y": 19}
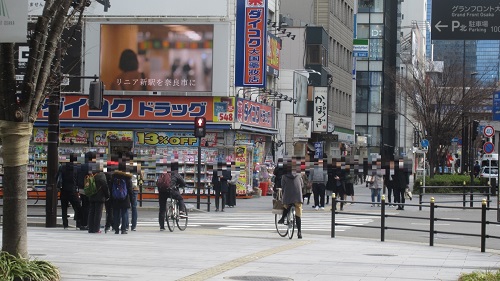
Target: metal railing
{"x": 432, "y": 219}
{"x": 464, "y": 191}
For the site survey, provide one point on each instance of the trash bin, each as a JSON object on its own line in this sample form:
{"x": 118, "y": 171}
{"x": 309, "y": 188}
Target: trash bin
{"x": 264, "y": 186}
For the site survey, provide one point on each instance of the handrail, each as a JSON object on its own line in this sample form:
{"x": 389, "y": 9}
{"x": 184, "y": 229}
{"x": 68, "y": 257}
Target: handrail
{"x": 432, "y": 219}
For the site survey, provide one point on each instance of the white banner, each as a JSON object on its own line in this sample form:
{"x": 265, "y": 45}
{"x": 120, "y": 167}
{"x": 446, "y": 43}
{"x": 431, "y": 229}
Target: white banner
{"x": 164, "y": 8}
{"x": 13, "y": 21}
{"x": 320, "y": 123}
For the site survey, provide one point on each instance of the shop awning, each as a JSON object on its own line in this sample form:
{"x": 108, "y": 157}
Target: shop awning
{"x": 265, "y": 131}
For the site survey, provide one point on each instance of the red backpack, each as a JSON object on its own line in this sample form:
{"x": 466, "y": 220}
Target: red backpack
{"x": 163, "y": 182}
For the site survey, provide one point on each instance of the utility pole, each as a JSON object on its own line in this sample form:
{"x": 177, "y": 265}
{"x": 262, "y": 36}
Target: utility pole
{"x": 53, "y": 149}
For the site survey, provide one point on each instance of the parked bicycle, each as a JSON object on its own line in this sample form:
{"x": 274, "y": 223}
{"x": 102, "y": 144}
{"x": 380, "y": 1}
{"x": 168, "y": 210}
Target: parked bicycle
{"x": 288, "y": 226}
{"x": 174, "y": 217}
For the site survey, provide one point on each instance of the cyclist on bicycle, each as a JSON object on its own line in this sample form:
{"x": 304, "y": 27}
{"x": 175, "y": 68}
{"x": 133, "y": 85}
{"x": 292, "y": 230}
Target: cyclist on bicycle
{"x": 291, "y": 182}
{"x": 176, "y": 180}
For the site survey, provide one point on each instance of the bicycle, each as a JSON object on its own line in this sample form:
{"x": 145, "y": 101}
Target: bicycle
{"x": 288, "y": 226}
{"x": 174, "y": 217}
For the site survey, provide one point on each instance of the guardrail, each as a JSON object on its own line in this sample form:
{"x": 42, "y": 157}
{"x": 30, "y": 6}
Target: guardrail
{"x": 432, "y": 219}
{"x": 464, "y": 191}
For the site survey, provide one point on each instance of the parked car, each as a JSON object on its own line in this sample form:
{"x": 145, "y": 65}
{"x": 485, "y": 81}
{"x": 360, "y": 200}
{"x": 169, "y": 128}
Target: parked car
{"x": 488, "y": 172}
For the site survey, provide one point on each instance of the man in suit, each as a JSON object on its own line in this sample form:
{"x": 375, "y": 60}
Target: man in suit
{"x": 220, "y": 178}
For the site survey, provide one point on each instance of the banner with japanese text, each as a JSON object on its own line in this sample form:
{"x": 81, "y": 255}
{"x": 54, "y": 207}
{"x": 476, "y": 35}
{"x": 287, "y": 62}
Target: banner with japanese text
{"x": 173, "y": 139}
{"x": 320, "y": 124}
{"x": 251, "y": 37}
{"x": 254, "y": 113}
{"x": 241, "y": 163}
{"x": 144, "y": 109}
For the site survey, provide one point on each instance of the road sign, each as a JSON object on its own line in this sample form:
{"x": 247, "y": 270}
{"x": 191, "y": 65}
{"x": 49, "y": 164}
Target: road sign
{"x": 360, "y": 48}
{"x": 489, "y": 131}
{"x": 488, "y": 147}
{"x": 424, "y": 143}
{"x": 465, "y": 20}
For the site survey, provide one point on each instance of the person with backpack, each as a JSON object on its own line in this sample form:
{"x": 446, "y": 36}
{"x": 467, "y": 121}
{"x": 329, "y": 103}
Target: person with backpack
{"x": 121, "y": 194}
{"x": 84, "y": 170}
{"x": 96, "y": 201}
{"x": 68, "y": 173}
{"x": 167, "y": 184}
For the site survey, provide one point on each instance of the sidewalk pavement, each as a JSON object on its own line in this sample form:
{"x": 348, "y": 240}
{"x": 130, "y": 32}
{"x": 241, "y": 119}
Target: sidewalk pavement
{"x": 204, "y": 254}
{"x": 213, "y": 254}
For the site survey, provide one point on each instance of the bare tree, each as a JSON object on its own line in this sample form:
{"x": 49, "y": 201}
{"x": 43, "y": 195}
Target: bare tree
{"x": 19, "y": 111}
{"x": 441, "y": 98}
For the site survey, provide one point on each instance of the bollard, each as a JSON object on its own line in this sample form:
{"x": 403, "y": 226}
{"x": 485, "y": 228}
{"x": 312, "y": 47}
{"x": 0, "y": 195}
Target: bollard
{"x": 382, "y": 220}
{"x": 483, "y": 225}
{"x": 334, "y": 204}
{"x": 464, "y": 196}
{"x": 431, "y": 223}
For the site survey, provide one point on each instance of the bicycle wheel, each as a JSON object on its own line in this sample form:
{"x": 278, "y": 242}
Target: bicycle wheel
{"x": 182, "y": 220}
{"x": 170, "y": 216}
{"x": 282, "y": 229}
{"x": 291, "y": 221}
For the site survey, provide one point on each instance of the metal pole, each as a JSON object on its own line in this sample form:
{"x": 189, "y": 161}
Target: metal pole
{"x": 465, "y": 145}
{"x": 431, "y": 229}
{"x": 334, "y": 204}
{"x": 53, "y": 150}
{"x": 483, "y": 226}
{"x": 198, "y": 198}
{"x": 382, "y": 220}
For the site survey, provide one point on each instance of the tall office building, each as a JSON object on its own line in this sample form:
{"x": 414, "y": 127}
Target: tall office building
{"x": 375, "y": 92}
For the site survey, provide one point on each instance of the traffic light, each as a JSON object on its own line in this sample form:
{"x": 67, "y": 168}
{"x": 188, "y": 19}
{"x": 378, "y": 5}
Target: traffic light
{"x": 95, "y": 95}
{"x": 475, "y": 125}
{"x": 200, "y": 127}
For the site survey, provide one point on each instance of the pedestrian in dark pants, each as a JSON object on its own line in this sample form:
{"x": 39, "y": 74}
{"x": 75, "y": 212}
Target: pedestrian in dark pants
{"x": 319, "y": 178}
{"x": 121, "y": 206}
{"x": 401, "y": 182}
{"x": 170, "y": 192}
{"x": 69, "y": 190}
{"x": 220, "y": 179}
{"x": 108, "y": 205}
{"x": 85, "y": 169}
{"x": 97, "y": 203}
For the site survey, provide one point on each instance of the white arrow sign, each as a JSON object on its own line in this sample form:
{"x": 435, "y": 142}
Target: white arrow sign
{"x": 438, "y": 25}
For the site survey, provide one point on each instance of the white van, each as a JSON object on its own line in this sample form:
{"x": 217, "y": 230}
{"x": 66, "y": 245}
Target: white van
{"x": 485, "y": 160}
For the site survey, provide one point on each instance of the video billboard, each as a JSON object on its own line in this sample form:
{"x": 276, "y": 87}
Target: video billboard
{"x": 157, "y": 57}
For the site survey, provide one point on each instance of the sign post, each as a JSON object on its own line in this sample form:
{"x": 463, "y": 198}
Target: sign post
{"x": 465, "y": 20}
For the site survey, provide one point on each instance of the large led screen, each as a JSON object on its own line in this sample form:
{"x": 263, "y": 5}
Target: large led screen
{"x": 157, "y": 57}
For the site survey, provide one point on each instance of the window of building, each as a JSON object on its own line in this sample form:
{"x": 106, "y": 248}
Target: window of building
{"x": 317, "y": 54}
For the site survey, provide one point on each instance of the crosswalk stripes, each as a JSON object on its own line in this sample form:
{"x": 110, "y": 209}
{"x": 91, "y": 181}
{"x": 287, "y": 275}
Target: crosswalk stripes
{"x": 315, "y": 221}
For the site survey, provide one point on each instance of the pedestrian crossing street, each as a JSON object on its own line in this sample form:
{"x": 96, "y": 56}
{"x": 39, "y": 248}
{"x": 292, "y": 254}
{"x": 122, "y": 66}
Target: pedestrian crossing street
{"x": 263, "y": 221}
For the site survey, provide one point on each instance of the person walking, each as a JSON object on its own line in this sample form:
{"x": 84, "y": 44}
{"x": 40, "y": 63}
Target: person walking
{"x": 220, "y": 180}
{"x": 165, "y": 192}
{"x": 69, "y": 190}
{"x": 97, "y": 203}
{"x": 319, "y": 178}
{"x": 401, "y": 183}
{"x": 376, "y": 186}
{"x": 122, "y": 197}
{"x": 137, "y": 179}
{"x": 291, "y": 182}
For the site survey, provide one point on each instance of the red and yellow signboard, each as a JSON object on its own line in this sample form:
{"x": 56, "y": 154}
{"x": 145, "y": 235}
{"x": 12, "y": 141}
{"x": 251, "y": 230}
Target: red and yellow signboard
{"x": 145, "y": 109}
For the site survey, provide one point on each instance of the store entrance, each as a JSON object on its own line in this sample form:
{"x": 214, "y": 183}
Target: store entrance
{"x": 119, "y": 149}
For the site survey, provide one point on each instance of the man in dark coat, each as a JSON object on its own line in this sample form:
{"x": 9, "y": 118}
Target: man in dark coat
{"x": 69, "y": 190}
{"x": 401, "y": 182}
{"x": 121, "y": 206}
{"x": 220, "y": 180}
{"x": 97, "y": 203}
{"x": 172, "y": 192}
